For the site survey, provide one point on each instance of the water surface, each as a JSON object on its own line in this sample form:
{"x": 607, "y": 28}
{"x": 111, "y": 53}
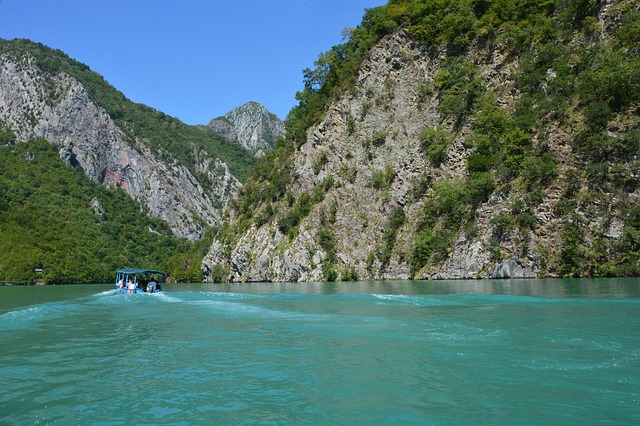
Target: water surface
{"x": 449, "y": 352}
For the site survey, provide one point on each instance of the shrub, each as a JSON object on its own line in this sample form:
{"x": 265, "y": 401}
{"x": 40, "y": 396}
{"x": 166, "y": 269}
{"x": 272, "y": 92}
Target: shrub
{"x": 320, "y": 161}
{"x": 377, "y": 179}
{"x": 219, "y": 273}
{"x": 299, "y": 211}
{"x": 329, "y": 273}
{"x": 435, "y": 142}
{"x": 394, "y": 222}
{"x": 539, "y": 170}
{"x": 382, "y": 179}
{"x": 349, "y": 274}
{"x": 460, "y": 88}
{"x": 503, "y": 223}
{"x": 378, "y": 138}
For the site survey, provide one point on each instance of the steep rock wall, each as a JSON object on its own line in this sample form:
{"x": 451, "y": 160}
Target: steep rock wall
{"x": 369, "y": 132}
{"x": 58, "y": 108}
{"x": 367, "y": 161}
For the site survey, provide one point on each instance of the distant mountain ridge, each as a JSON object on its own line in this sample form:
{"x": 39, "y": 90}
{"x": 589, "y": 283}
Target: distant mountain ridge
{"x": 251, "y": 125}
{"x": 175, "y": 171}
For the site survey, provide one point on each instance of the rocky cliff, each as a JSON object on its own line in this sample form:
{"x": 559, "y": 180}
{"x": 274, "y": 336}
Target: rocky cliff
{"x": 373, "y": 130}
{"x": 415, "y": 172}
{"x": 250, "y": 125}
{"x": 55, "y": 106}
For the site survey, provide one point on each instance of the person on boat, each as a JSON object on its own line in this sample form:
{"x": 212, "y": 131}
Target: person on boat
{"x": 151, "y": 286}
{"x": 120, "y": 285}
{"x": 131, "y": 287}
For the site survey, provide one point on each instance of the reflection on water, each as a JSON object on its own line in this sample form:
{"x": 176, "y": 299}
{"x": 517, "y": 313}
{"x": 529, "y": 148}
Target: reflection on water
{"x": 15, "y": 296}
{"x": 611, "y": 287}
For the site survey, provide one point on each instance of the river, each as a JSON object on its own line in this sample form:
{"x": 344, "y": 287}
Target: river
{"x": 375, "y": 353}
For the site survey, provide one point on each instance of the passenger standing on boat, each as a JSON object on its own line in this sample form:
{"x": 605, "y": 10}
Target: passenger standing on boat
{"x": 120, "y": 286}
{"x": 131, "y": 287}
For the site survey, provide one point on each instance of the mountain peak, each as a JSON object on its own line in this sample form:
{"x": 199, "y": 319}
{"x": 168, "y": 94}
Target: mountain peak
{"x": 251, "y": 125}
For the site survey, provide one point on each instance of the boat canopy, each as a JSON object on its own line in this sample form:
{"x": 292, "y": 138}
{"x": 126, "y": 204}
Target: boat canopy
{"x": 134, "y": 273}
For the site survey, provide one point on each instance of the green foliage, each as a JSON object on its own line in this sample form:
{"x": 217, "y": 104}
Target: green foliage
{"x": 435, "y": 142}
{"x": 160, "y": 132}
{"x": 320, "y": 161}
{"x": 349, "y": 274}
{"x": 330, "y": 274}
{"x": 629, "y": 259}
{"x": 610, "y": 77}
{"x": 460, "y": 88}
{"x": 588, "y": 252}
{"x": 300, "y": 210}
{"x": 393, "y": 224}
{"x": 382, "y": 179}
{"x": 503, "y": 223}
{"x": 219, "y": 274}
{"x": 7, "y": 137}
{"x": 351, "y": 125}
{"x": 431, "y": 247}
{"x": 449, "y": 203}
{"x": 47, "y": 221}
{"x": 378, "y": 138}
{"x": 538, "y": 169}
{"x": 327, "y": 240}
{"x": 445, "y": 211}
{"x": 479, "y": 187}
{"x": 268, "y": 184}
{"x": 566, "y": 73}
{"x": 377, "y": 179}
{"x": 328, "y": 182}
{"x": 573, "y": 251}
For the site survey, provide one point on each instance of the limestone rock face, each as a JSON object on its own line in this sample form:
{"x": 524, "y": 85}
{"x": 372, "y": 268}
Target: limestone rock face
{"x": 372, "y": 131}
{"x": 250, "y": 125}
{"x": 365, "y": 164}
{"x": 57, "y": 107}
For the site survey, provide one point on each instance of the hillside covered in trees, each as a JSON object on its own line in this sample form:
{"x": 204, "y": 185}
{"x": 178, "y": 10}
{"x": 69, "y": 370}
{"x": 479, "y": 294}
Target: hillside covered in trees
{"x": 454, "y": 139}
{"x": 163, "y": 133}
{"x": 179, "y": 173}
{"x": 161, "y": 179}
{"x": 54, "y": 218}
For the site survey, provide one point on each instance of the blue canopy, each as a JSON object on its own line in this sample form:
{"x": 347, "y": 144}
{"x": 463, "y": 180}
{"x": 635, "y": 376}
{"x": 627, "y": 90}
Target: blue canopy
{"x": 126, "y": 272}
{"x": 133, "y": 271}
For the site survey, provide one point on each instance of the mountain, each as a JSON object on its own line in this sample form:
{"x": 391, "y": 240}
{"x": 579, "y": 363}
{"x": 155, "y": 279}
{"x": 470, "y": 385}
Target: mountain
{"x": 250, "y": 125}
{"x": 176, "y": 172}
{"x": 54, "y": 218}
{"x": 453, "y": 140}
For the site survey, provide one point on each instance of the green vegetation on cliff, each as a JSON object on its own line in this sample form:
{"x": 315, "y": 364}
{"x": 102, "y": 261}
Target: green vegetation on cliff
{"x": 575, "y": 70}
{"x": 53, "y": 217}
{"x": 562, "y": 130}
{"x": 603, "y": 75}
{"x": 162, "y": 133}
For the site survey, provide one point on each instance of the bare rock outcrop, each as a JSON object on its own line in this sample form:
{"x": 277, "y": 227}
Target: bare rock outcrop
{"x": 250, "y": 125}
{"x": 370, "y": 179}
{"x": 56, "y": 107}
{"x": 364, "y": 135}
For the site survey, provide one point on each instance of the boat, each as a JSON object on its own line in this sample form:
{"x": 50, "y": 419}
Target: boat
{"x": 143, "y": 280}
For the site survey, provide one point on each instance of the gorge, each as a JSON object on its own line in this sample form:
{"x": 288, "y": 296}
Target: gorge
{"x": 472, "y": 141}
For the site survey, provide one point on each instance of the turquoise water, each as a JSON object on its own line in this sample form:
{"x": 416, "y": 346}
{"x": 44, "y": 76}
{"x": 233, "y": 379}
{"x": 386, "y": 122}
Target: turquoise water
{"x": 457, "y": 352}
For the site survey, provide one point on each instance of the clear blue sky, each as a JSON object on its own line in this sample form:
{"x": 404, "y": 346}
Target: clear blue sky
{"x": 192, "y": 59}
